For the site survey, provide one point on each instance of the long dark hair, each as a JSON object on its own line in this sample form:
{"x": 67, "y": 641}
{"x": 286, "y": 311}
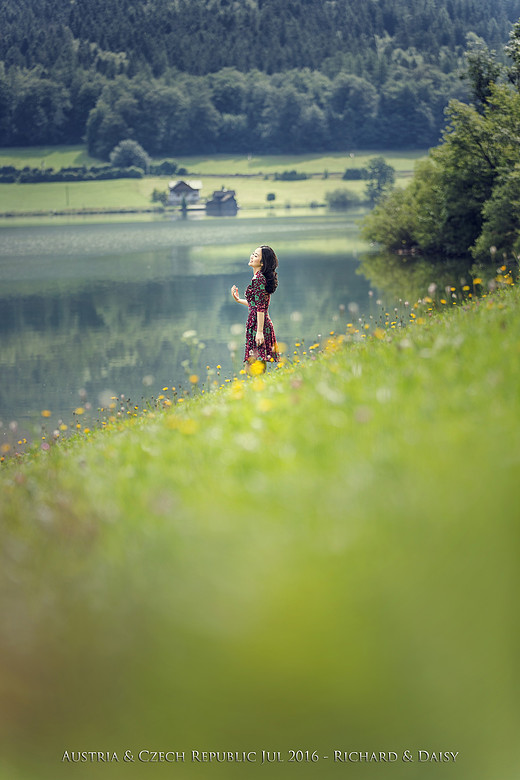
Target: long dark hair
{"x": 269, "y": 266}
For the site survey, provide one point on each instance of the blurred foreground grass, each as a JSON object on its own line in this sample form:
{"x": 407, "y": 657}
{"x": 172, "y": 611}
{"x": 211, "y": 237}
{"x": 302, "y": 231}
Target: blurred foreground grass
{"x": 323, "y": 558}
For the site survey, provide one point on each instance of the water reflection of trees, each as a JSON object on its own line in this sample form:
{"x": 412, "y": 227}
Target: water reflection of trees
{"x": 408, "y": 276}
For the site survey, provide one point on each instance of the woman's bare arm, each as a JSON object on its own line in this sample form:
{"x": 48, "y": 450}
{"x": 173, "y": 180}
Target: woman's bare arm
{"x": 234, "y": 293}
{"x": 260, "y": 319}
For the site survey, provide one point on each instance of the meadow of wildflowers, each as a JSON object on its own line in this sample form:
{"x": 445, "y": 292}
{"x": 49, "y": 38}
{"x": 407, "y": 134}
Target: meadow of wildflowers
{"x": 318, "y": 558}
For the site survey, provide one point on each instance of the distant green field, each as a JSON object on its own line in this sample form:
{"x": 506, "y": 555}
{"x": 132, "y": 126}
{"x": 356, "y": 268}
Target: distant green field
{"x": 244, "y": 175}
{"x": 60, "y": 196}
{"x": 46, "y": 157}
{"x": 136, "y": 193}
{"x": 65, "y": 156}
{"x": 306, "y": 163}
{"x": 252, "y": 193}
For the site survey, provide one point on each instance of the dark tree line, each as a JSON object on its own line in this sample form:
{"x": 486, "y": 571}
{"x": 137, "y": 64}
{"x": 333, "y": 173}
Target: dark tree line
{"x": 294, "y": 111}
{"x": 185, "y": 76}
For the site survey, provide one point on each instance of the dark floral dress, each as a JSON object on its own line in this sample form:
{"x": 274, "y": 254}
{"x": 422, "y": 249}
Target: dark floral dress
{"x": 258, "y": 300}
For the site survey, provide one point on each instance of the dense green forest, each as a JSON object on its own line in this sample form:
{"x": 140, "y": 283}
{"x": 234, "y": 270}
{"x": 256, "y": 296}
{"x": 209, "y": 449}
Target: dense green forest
{"x": 464, "y": 199}
{"x": 186, "y": 76}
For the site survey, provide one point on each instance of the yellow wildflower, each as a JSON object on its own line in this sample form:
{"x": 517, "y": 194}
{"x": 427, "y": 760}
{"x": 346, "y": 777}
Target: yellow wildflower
{"x": 257, "y": 367}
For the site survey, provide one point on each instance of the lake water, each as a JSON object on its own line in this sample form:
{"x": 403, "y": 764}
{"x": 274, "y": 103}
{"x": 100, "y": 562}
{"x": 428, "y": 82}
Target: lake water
{"x": 93, "y": 309}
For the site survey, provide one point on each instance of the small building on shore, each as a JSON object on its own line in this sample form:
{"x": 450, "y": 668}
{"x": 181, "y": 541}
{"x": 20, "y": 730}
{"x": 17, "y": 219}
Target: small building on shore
{"x": 223, "y": 203}
{"x": 181, "y": 191}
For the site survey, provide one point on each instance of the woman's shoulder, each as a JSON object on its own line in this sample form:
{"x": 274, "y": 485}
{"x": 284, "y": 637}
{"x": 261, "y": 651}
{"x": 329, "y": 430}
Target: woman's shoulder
{"x": 259, "y": 277}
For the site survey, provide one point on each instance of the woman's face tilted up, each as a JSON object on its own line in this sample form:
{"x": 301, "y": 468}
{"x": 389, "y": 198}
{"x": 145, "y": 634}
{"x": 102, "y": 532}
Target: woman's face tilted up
{"x": 255, "y": 261}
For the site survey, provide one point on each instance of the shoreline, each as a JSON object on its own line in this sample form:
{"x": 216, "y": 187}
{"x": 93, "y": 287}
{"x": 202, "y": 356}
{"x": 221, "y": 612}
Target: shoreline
{"x": 175, "y": 212}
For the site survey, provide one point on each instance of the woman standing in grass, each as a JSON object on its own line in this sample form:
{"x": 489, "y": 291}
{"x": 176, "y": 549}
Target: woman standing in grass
{"x": 260, "y": 337}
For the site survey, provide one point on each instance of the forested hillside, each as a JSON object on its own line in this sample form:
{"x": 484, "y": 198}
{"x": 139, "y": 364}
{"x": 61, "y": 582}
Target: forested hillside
{"x": 237, "y": 75}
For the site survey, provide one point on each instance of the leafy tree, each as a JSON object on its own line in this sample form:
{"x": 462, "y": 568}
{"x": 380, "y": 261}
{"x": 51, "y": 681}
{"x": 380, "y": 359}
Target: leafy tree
{"x": 512, "y": 49}
{"x": 313, "y": 129}
{"x": 160, "y": 196}
{"x": 39, "y": 111}
{"x": 482, "y": 70}
{"x": 381, "y": 179}
{"x": 465, "y": 198}
{"x": 203, "y": 119}
{"x": 353, "y": 103}
{"x": 228, "y": 90}
{"x": 161, "y": 121}
{"x": 105, "y": 129}
{"x": 6, "y": 107}
{"x": 129, "y": 153}
{"x": 281, "y": 119}
{"x": 391, "y": 224}
{"x": 406, "y": 114}
{"x": 84, "y": 93}
{"x": 233, "y": 133}
{"x": 501, "y": 227}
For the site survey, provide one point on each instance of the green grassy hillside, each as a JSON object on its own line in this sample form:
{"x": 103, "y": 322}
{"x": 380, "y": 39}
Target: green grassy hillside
{"x": 322, "y": 558}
